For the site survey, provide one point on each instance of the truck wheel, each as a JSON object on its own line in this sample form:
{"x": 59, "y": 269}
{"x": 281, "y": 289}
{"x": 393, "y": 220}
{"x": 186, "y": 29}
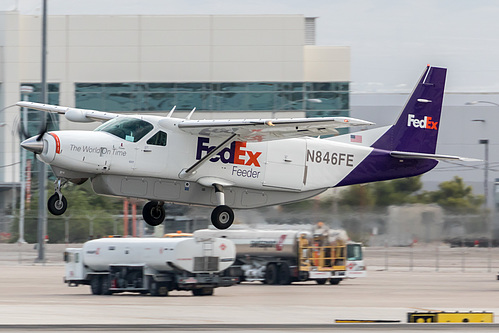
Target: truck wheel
{"x": 271, "y": 274}
{"x": 222, "y": 217}
{"x": 106, "y": 285}
{"x": 156, "y": 288}
{"x": 335, "y": 281}
{"x": 321, "y": 281}
{"x": 153, "y": 287}
{"x": 206, "y": 291}
{"x": 284, "y": 274}
{"x": 95, "y": 285}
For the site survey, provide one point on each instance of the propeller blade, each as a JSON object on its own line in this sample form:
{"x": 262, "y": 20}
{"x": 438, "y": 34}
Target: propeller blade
{"x": 22, "y": 131}
{"x": 43, "y": 127}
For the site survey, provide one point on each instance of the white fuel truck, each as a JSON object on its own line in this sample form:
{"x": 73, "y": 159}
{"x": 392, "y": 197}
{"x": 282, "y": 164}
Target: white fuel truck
{"x": 151, "y": 265}
{"x": 285, "y": 256}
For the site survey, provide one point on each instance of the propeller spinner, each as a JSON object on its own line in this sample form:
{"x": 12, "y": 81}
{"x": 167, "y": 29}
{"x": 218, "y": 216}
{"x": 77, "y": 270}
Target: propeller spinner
{"x": 33, "y": 144}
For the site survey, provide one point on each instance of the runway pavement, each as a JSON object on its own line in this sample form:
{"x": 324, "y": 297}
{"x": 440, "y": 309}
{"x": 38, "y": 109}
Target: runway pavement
{"x": 35, "y": 295}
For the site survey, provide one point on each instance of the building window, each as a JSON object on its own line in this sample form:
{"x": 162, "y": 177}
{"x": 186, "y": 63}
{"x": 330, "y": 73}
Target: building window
{"x": 217, "y": 96}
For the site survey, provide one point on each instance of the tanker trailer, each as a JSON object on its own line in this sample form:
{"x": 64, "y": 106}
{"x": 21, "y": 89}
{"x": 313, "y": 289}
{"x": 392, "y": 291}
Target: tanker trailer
{"x": 150, "y": 265}
{"x": 286, "y": 256}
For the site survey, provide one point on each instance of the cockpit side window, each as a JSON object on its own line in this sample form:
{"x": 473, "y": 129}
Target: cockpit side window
{"x": 158, "y": 139}
{"x": 129, "y": 129}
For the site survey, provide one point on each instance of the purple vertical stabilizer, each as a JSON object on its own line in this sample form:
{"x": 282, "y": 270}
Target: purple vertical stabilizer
{"x": 416, "y": 129}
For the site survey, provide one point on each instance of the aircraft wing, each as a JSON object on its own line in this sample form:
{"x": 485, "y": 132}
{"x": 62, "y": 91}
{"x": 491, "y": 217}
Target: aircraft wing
{"x": 72, "y": 114}
{"x": 265, "y": 129}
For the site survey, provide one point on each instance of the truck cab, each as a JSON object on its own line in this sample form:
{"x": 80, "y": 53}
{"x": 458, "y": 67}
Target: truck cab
{"x": 355, "y": 266}
{"x": 74, "y": 268}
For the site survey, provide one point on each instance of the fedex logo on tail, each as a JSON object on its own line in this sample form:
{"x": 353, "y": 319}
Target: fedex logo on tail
{"x": 234, "y": 154}
{"x": 426, "y": 122}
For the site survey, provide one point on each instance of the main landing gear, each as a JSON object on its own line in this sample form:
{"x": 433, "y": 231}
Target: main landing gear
{"x": 57, "y": 203}
{"x": 154, "y": 213}
{"x": 222, "y": 216}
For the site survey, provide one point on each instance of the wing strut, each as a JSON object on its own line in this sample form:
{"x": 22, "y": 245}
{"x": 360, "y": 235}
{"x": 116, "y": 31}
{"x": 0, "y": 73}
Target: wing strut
{"x": 192, "y": 169}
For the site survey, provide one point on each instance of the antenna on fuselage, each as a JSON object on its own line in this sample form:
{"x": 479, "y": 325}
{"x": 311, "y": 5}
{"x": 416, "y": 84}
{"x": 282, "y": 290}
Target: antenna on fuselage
{"x": 171, "y": 112}
{"x": 190, "y": 114}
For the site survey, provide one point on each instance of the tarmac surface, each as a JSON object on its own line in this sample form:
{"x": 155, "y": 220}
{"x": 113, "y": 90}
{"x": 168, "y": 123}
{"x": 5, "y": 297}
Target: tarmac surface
{"x": 33, "y": 297}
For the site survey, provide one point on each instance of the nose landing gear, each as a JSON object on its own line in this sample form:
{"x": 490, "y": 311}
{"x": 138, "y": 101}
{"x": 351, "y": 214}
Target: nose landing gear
{"x": 57, "y": 203}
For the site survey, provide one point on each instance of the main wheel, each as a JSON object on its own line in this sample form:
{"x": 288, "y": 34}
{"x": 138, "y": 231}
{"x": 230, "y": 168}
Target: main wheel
{"x": 153, "y": 213}
{"x": 321, "y": 281}
{"x": 222, "y": 217}
{"x": 271, "y": 274}
{"x": 56, "y": 206}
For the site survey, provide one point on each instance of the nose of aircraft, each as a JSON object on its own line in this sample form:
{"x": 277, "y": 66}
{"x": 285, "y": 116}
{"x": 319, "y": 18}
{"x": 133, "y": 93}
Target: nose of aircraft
{"x": 33, "y": 145}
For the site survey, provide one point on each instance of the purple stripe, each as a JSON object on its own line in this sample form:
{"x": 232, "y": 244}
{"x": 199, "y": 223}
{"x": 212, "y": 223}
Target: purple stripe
{"x": 379, "y": 165}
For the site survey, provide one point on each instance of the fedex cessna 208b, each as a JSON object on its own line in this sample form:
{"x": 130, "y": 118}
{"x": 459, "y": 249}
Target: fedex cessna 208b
{"x": 237, "y": 163}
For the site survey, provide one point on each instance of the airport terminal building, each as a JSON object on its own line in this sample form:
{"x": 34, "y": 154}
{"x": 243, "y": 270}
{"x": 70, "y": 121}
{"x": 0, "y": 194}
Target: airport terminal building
{"x": 225, "y": 66}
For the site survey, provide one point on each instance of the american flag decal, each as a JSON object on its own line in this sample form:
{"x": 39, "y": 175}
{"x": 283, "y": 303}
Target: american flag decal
{"x": 356, "y": 138}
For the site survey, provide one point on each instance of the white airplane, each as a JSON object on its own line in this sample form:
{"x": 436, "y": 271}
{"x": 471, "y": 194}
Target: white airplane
{"x": 236, "y": 163}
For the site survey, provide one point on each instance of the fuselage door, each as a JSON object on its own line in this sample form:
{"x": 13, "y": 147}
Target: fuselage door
{"x": 285, "y": 166}
{"x": 152, "y": 155}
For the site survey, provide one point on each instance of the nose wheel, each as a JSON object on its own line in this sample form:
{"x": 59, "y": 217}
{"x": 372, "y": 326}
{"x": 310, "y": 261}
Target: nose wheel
{"x": 153, "y": 213}
{"x": 57, "y": 203}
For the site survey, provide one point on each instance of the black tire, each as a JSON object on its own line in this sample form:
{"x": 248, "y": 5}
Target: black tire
{"x": 153, "y": 287}
{"x": 56, "y": 206}
{"x": 321, "y": 281}
{"x": 222, "y": 217}
{"x": 284, "y": 274}
{"x": 206, "y": 291}
{"x": 95, "y": 285}
{"x": 335, "y": 281}
{"x": 271, "y": 274}
{"x": 153, "y": 213}
{"x": 106, "y": 285}
{"x": 156, "y": 288}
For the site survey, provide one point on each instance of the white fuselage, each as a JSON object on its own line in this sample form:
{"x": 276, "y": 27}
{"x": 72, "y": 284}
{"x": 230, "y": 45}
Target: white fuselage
{"x": 253, "y": 173}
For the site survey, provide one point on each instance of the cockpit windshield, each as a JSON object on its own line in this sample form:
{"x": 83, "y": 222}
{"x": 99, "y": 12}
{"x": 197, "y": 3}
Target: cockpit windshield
{"x": 129, "y": 129}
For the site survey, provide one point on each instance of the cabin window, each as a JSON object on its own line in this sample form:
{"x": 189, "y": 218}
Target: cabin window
{"x": 158, "y": 139}
{"x": 129, "y": 129}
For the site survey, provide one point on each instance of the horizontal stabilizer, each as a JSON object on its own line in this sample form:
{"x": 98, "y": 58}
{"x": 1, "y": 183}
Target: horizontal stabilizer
{"x": 423, "y": 156}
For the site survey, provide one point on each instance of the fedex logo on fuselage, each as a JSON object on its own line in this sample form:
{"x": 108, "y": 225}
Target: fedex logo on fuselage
{"x": 235, "y": 154}
{"x": 426, "y": 122}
